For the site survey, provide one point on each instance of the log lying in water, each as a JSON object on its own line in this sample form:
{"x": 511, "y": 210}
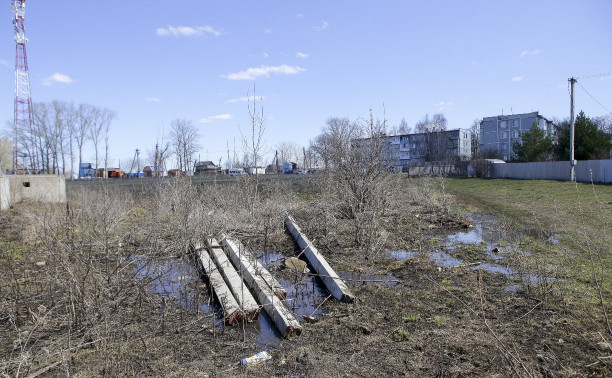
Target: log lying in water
{"x": 231, "y": 310}
{"x": 331, "y": 280}
{"x": 241, "y": 292}
{"x": 253, "y": 273}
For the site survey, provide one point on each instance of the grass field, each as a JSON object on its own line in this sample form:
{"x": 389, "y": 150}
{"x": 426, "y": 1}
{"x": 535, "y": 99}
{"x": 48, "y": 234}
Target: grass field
{"x": 578, "y": 215}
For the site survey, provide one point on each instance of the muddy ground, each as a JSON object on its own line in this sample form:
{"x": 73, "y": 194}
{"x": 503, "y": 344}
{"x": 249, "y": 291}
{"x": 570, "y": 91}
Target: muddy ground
{"x": 413, "y": 316}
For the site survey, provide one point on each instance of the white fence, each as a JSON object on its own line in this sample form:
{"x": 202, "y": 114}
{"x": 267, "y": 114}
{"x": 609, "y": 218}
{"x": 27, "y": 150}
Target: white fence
{"x": 599, "y": 171}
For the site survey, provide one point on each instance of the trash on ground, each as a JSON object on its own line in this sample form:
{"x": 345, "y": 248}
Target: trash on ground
{"x": 259, "y": 357}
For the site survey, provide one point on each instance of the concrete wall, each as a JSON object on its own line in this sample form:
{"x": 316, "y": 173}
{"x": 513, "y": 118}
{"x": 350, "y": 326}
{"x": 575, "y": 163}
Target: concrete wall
{"x": 458, "y": 169}
{"x": 5, "y": 193}
{"x": 44, "y": 188}
{"x": 599, "y": 171}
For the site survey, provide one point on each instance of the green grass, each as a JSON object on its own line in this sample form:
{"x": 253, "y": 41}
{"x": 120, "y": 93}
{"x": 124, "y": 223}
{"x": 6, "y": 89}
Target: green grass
{"x": 579, "y": 214}
{"x": 402, "y": 335}
{"x": 410, "y": 319}
{"x": 557, "y": 206}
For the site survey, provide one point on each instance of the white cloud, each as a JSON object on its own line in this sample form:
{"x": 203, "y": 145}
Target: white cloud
{"x": 57, "y": 78}
{"x": 524, "y": 53}
{"x": 268, "y": 30}
{"x": 216, "y": 117}
{"x": 324, "y": 25}
{"x": 517, "y": 78}
{"x": 444, "y": 104}
{"x": 153, "y": 99}
{"x": 301, "y": 55}
{"x": 187, "y": 31}
{"x": 5, "y": 63}
{"x": 265, "y": 54}
{"x": 244, "y": 99}
{"x": 265, "y": 71}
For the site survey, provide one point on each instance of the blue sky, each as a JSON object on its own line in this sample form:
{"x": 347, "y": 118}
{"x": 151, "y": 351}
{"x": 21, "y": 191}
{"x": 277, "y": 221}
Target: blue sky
{"x": 156, "y": 61}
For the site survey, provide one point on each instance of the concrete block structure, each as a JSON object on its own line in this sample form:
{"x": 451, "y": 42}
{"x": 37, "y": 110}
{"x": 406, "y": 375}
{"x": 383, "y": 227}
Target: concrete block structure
{"x": 5, "y": 192}
{"x": 43, "y": 188}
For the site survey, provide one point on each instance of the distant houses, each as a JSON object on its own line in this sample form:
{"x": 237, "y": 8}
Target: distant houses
{"x": 206, "y": 168}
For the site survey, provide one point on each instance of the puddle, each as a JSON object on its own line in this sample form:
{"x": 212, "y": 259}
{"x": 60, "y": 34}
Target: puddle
{"x": 172, "y": 279}
{"x": 369, "y": 279}
{"x": 401, "y": 255}
{"x": 485, "y": 232}
{"x": 304, "y": 294}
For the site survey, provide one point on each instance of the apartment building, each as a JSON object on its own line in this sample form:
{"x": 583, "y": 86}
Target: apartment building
{"x": 497, "y": 133}
{"x": 435, "y": 146}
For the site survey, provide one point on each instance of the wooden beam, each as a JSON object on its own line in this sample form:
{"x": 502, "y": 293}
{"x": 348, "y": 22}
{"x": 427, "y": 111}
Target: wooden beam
{"x": 231, "y": 309}
{"x": 234, "y": 282}
{"x": 252, "y": 271}
{"x": 332, "y": 281}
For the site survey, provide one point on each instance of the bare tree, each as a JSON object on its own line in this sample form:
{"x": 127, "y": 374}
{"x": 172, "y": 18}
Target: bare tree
{"x": 83, "y": 123}
{"x": 95, "y": 132}
{"x": 434, "y": 124}
{"x": 254, "y": 146}
{"x": 106, "y": 117}
{"x": 253, "y": 143}
{"x": 404, "y": 128}
{"x": 6, "y": 155}
{"x": 70, "y": 121}
{"x": 475, "y": 136}
{"x": 184, "y": 139}
{"x": 288, "y": 151}
{"x": 358, "y": 161}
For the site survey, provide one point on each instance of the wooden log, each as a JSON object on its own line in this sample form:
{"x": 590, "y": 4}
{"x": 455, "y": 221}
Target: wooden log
{"x": 331, "y": 280}
{"x": 275, "y": 308}
{"x": 231, "y": 309}
{"x": 234, "y": 282}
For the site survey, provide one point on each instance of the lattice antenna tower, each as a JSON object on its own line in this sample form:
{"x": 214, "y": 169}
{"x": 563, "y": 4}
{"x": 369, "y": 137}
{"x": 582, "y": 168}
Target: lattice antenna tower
{"x": 23, "y": 100}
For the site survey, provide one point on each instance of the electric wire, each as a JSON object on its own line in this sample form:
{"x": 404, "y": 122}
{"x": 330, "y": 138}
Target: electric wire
{"x": 594, "y": 99}
{"x": 593, "y": 76}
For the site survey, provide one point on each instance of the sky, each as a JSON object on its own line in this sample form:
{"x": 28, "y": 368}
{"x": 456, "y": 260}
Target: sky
{"x": 153, "y": 62}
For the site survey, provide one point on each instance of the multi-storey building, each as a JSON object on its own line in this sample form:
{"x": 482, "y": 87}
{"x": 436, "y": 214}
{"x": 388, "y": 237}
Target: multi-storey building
{"x": 497, "y": 133}
{"x": 434, "y": 146}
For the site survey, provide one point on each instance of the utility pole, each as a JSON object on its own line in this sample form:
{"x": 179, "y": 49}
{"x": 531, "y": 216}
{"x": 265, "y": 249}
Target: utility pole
{"x": 572, "y": 161}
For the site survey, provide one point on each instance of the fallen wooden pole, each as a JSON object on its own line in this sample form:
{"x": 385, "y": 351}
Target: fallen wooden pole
{"x": 252, "y": 271}
{"x": 234, "y": 282}
{"x": 331, "y": 280}
{"x": 230, "y": 306}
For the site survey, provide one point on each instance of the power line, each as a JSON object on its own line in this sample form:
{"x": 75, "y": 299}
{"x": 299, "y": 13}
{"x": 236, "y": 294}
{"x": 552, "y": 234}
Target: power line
{"x": 593, "y": 76}
{"x": 600, "y": 104}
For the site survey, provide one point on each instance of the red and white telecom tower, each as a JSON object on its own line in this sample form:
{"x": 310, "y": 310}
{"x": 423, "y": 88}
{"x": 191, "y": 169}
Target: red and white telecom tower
{"x": 23, "y": 100}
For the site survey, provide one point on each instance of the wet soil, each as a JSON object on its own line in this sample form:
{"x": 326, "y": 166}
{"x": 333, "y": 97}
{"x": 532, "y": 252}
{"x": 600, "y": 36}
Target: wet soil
{"x": 422, "y": 309}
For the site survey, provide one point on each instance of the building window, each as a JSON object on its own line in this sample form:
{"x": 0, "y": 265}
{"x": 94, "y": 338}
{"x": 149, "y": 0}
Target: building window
{"x": 516, "y": 122}
{"x": 515, "y": 134}
{"x": 504, "y": 147}
{"x": 502, "y": 124}
{"x": 503, "y": 135}
{"x": 26, "y": 184}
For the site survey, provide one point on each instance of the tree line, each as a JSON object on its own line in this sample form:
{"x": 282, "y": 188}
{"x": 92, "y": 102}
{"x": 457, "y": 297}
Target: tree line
{"x": 57, "y": 136}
